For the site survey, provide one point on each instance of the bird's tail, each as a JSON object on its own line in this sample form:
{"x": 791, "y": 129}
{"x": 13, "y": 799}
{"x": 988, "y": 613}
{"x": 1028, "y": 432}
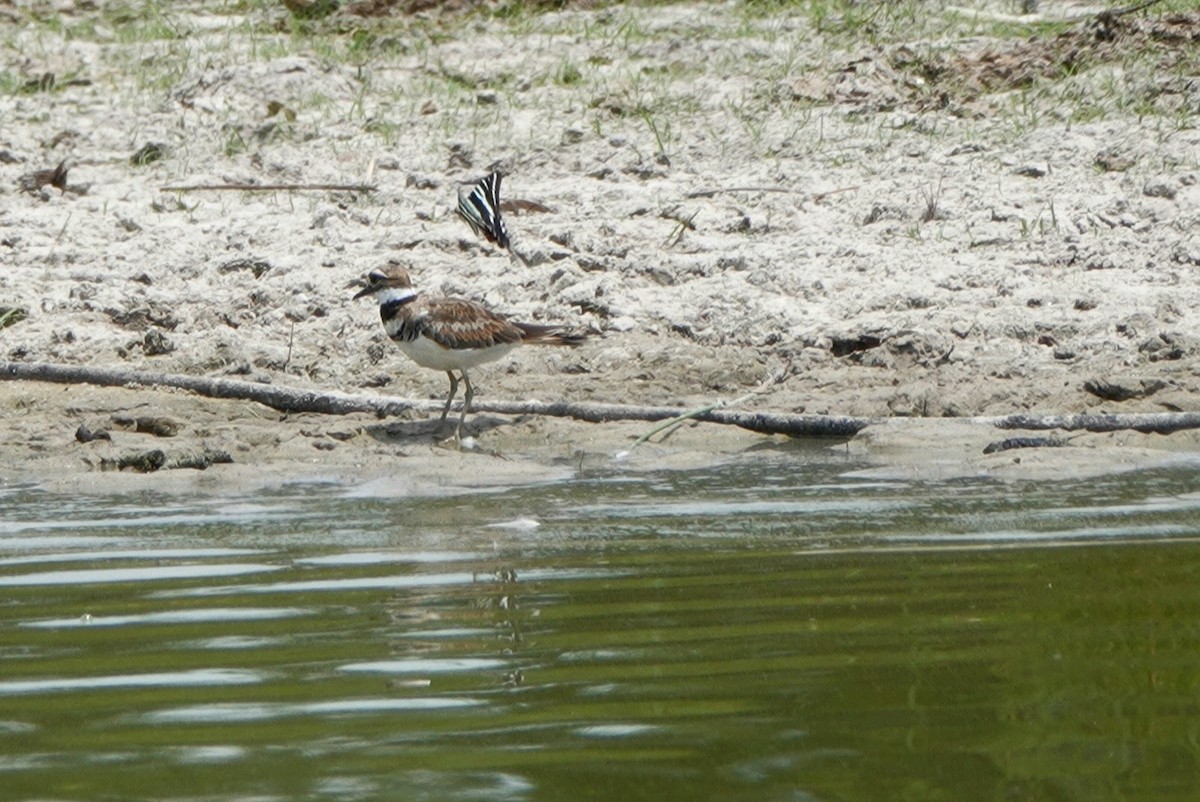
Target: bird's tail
{"x": 536, "y": 334}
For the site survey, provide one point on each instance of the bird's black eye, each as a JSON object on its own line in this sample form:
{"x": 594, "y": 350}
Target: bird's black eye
{"x": 375, "y": 277}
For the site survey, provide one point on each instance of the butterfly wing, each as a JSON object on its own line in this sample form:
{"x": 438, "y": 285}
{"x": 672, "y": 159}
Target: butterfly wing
{"x": 481, "y": 209}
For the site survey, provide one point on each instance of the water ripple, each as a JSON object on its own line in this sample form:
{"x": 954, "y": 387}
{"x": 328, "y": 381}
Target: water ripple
{"x": 173, "y": 617}
{"x": 716, "y": 508}
{"x": 150, "y": 573}
{"x": 254, "y": 711}
{"x": 126, "y": 554}
{"x": 384, "y": 557}
{"x": 197, "y": 677}
{"x": 426, "y": 666}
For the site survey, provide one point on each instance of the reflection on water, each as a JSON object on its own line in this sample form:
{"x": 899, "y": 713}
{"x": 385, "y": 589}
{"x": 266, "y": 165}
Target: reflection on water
{"x": 220, "y": 714}
{"x": 144, "y": 573}
{"x": 171, "y": 617}
{"x": 768, "y": 630}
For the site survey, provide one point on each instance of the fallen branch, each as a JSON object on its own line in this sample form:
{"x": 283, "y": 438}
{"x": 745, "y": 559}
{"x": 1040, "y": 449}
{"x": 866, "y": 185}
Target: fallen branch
{"x": 1024, "y": 442}
{"x": 292, "y": 399}
{"x": 1145, "y": 422}
{"x": 271, "y": 188}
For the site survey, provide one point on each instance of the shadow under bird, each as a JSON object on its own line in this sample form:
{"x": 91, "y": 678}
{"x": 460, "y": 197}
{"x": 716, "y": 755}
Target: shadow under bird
{"x": 452, "y": 334}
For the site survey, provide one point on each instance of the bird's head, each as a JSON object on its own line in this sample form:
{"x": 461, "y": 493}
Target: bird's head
{"x": 391, "y": 276}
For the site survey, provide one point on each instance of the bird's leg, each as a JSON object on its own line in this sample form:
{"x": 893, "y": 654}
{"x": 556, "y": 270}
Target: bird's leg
{"x": 449, "y": 398}
{"x": 469, "y": 394}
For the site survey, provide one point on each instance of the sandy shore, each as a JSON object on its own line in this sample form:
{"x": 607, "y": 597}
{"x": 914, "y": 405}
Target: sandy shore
{"x": 905, "y": 245}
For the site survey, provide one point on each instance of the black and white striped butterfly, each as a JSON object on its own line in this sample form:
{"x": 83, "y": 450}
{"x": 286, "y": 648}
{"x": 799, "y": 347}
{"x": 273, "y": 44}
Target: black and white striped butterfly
{"x": 480, "y": 207}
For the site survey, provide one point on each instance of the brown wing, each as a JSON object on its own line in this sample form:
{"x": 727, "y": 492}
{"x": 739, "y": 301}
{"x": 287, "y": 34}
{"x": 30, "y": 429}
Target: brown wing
{"x": 456, "y": 323}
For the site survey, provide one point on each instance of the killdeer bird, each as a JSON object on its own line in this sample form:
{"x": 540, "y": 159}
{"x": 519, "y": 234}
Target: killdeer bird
{"x": 451, "y": 334}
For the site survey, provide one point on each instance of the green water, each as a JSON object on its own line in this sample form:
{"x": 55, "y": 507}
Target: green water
{"x": 770, "y": 630}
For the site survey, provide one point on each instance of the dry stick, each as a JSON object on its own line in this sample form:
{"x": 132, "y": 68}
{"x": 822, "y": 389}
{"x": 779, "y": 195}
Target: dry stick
{"x": 61, "y": 232}
{"x": 291, "y": 399}
{"x": 291, "y": 337}
{"x": 273, "y": 187}
{"x": 1114, "y": 13}
{"x": 683, "y": 225}
{"x": 708, "y": 193}
{"x": 778, "y": 377}
{"x": 1107, "y": 16}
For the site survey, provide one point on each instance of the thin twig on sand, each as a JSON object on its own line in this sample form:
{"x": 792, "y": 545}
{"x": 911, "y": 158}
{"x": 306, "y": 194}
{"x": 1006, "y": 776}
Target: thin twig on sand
{"x": 271, "y": 188}
{"x": 818, "y": 196}
{"x": 776, "y": 377}
{"x": 1114, "y": 13}
{"x": 1105, "y": 17}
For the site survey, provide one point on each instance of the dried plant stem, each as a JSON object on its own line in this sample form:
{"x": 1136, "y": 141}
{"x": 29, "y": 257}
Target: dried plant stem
{"x": 818, "y": 196}
{"x": 778, "y": 377}
{"x": 271, "y": 188}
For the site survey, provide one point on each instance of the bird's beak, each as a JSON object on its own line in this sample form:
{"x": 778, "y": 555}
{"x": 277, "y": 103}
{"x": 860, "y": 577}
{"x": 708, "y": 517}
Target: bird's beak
{"x": 366, "y": 290}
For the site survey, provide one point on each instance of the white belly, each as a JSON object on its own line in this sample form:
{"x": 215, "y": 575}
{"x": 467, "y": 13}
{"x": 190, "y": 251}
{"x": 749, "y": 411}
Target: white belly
{"x": 429, "y": 354}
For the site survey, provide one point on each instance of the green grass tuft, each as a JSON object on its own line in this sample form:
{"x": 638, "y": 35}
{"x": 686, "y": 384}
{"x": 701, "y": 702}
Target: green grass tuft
{"x": 11, "y": 315}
